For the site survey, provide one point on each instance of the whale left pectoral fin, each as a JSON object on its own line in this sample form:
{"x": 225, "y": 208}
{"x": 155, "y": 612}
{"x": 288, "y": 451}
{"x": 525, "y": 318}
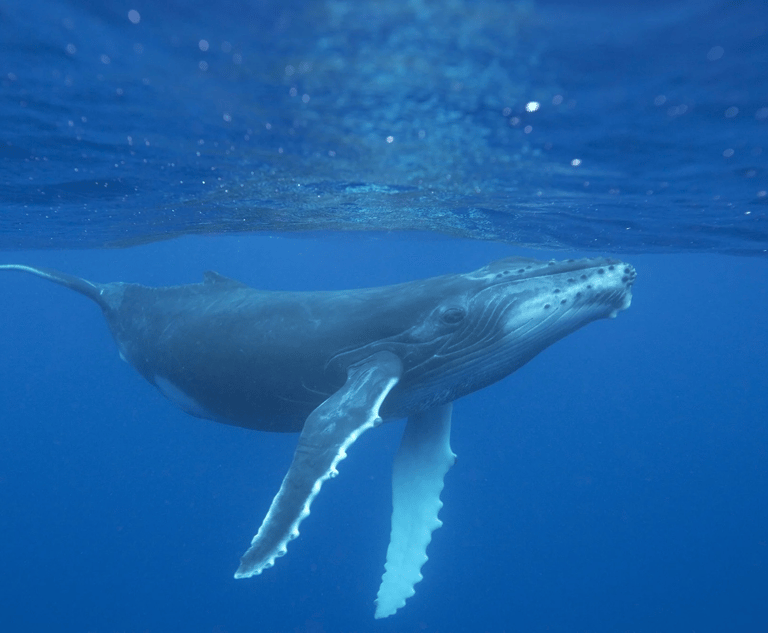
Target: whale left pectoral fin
{"x": 423, "y": 459}
{"x": 327, "y": 433}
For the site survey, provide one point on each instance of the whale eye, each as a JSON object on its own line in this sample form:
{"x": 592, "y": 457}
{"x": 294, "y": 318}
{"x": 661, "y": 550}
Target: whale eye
{"x": 452, "y": 315}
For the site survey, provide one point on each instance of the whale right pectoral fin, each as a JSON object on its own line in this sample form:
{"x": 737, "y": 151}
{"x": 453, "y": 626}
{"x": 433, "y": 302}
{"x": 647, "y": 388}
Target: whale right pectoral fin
{"x": 423, "y": 459}
{"x": 327, "y": 433}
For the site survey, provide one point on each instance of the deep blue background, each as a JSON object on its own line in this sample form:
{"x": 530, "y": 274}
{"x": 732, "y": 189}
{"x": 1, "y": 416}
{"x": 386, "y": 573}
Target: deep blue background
{"x": 616, "y": 483}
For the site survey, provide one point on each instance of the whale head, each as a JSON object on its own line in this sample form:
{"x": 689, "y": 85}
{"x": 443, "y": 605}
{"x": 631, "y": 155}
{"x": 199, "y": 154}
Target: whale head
{"x": 490, "y": 322}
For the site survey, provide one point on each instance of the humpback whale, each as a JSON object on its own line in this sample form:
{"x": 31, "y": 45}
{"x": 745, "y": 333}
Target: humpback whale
{"x": 331, "y": 365}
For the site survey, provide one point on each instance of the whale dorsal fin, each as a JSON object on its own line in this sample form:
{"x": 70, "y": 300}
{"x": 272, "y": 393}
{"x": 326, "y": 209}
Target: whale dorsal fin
{"x": 212, "y": 277}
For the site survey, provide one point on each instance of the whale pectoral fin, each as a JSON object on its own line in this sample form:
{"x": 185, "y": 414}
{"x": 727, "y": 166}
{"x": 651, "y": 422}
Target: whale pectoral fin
{"x": 327, "y": 433}
{"x": 423, "y": 459}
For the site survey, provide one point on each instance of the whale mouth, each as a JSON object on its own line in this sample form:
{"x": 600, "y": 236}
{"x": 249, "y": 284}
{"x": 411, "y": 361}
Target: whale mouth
{"x": 600, "y": 286}
{"x": 604, "y": 284}
{"x": 620, "y": 295}
{"x": 519, "y": 314}
{"x": 594, "y": 292}
{"x": 557, "y": 299}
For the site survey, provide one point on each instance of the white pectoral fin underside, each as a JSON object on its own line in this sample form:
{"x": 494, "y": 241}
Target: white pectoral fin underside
{"x": 423, "y": 459}
{"x": 327, "y": 433}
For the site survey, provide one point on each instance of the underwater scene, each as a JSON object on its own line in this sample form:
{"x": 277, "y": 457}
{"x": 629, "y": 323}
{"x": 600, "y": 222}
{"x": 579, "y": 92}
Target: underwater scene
{"x": 430, "y": 316}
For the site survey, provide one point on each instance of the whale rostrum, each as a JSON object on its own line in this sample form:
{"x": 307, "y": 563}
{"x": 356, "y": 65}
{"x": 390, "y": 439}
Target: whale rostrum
{"x": 331, "y": 365}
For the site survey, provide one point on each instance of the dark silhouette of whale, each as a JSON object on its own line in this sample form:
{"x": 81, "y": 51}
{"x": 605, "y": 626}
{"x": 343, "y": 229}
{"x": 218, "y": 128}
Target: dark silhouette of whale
{"x": 334, "y": 364}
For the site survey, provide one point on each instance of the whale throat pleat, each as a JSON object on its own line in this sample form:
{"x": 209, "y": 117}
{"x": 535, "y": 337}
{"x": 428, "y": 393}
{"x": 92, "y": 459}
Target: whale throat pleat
{"x": 423, "y": 459}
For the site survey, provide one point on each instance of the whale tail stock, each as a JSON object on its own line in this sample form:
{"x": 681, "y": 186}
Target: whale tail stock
{"x": 91, "y": 290}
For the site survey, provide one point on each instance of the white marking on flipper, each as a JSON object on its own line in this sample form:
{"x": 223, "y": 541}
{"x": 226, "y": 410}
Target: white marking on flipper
{"x": 328, "y": 432}
{"x": 423, "y": 459}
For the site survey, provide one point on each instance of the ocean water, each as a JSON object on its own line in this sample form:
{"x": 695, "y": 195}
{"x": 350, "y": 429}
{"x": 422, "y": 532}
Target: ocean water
{"x": 582, "y": 125}
{"x": 615, "y": 483}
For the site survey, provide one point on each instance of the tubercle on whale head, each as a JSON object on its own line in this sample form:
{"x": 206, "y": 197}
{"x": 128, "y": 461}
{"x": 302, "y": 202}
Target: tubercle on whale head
{"x": 575, "y": 292}
{"x": 506, "y": 320}
{"x": 516, "y": 268}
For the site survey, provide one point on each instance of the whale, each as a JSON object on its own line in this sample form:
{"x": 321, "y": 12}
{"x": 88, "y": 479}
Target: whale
{"x": 330, "y": 365}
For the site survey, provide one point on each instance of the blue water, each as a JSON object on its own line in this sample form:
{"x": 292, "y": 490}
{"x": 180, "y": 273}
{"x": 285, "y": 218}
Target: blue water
{"x": 615, "y": 483}
{"x": 553, "y": 124}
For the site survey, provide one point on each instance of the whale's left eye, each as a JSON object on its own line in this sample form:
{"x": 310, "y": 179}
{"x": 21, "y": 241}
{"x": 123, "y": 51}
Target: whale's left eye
{"x": 452, "y": 315}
